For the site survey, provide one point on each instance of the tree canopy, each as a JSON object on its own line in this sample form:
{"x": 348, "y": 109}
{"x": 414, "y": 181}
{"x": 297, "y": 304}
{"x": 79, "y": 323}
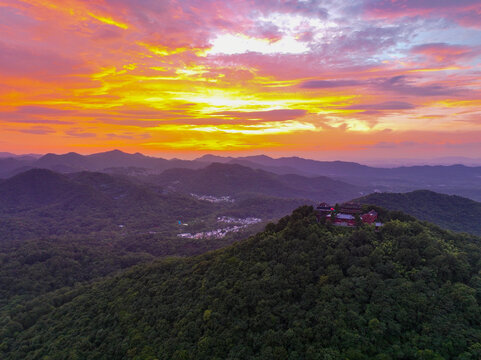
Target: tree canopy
{"x": 298, "y": 290}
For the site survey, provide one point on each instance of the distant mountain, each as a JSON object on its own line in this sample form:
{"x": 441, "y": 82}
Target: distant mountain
{"x": 21, "y": 157}
{"x": 298, "y": 165}
{"x": 453, "y": 179}
{"x": 448, "y": 211}
{"x": 209, "y": 158}
{"x": 36, "y": 188}
{"x": 298, "y": 290}
{"x": 10, "y": 165}
{"x": 105, "y": 161}
{"x": 354, "y": 170}
{"x": 236, "y": 180}
{"x": 252, "y": 164}
{"x": 97, "y": 162}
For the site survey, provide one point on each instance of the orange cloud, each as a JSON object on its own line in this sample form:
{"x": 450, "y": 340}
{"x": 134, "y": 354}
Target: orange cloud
{"x": 231, "y": 76}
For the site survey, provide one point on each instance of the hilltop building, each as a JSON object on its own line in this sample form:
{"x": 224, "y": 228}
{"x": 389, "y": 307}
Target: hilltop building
{"x": 347, "y": 214}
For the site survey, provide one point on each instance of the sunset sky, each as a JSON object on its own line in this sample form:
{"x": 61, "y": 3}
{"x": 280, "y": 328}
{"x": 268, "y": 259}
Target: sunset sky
{"x": 322, "y": 79}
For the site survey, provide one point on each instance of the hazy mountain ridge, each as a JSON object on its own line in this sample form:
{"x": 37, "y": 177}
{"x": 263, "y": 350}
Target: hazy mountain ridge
{"x": 449, "y": 179}
{"x": 300, "y": 290}
{"x": 453, "y": 179}
{"x": 73, "y": 162}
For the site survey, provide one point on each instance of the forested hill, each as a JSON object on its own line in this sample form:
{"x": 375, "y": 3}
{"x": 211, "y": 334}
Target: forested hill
{"x": 298, "y": 290}
{"x": 448, "y": 211}
{"x": 40, "y": 202}
{"x": 236, "y": 180}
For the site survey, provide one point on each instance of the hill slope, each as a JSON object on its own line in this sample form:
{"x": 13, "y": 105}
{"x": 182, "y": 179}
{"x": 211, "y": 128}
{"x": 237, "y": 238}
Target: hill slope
{"x": 41, "y": 202}
{"x": 236, "y": 180}
{"x": 448, "y": 211}
{"x": 299, "y": 290}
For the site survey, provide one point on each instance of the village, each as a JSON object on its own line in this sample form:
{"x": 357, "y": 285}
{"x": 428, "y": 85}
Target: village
{"x": 213, "y": 199}
{"x": 220, "y": 233}
{"x": 347, "y": 214}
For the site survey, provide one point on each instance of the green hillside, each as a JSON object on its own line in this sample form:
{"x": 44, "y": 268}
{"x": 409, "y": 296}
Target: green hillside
{"x": 298, "y": 290}
{"x": 41, "y": 202}
{"x": 448, "y": 211}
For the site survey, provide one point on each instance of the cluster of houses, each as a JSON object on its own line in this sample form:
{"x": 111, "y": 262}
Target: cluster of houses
{"x": 347, "y": 214}
{"x": 233, "y": 220}
{"x": 241, "y": 224}
{"x": 213, "y": 199}
{"x": 213, "y": 234}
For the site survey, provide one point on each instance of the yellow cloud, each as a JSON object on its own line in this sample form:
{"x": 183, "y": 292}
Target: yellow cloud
{"x": 110, "y": 21}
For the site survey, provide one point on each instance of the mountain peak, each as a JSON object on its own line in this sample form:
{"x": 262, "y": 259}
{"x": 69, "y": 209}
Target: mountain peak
{"x": 214, "y": 158}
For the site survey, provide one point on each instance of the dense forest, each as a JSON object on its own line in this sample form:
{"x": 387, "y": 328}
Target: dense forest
{"x": 42, "y": 203}
{"x": 448, "y": 211}
{"x": 298, "y": 290}
{"x": 57, "y": 230}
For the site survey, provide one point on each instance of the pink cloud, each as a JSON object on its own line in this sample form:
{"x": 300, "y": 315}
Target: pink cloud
{"x": 387, "y": 105}
{"x": 21, "y": 61}
{"x": 464, "y": 12}
{"x": 38, "y": 130}
{"x": 80, "y": 133}
{"x": 445, "y": 53}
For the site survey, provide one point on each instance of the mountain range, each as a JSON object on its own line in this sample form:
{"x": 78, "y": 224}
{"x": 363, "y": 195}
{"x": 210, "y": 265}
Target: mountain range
{"x": 454, "y": 179}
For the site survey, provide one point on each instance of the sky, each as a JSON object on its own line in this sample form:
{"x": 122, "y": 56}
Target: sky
{"x": 350, "y": 80}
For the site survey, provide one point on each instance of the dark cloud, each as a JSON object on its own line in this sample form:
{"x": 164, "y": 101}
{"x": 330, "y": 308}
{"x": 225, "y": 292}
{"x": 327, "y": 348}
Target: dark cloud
{"x": 393, "y": 145}
{"x": 464, "y": 12}
{"x": 327, "y": 84}
{"x": 387, "y": 105}
{"x": 40, "y": 110}
{"x": 35, "y": 115}
{"x": 22, "y": 118}
{"x": 403, "y": 85}
{"x": 445, "y": 53}
{"x": 39, "y": 62}
{"x": 76, "y": 132}
{"x": 128, "y": 135}
{"x": 37, "y": 130}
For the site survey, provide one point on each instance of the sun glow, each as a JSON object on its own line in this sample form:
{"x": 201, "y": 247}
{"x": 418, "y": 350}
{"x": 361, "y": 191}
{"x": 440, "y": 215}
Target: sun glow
{"x": 229, "y": 44}
{"x": 232, "y": 76}
{"x": 110, "y": 21}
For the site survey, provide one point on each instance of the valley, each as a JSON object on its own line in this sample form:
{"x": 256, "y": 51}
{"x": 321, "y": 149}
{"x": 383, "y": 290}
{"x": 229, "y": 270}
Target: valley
{"x": 70, "y": 236}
